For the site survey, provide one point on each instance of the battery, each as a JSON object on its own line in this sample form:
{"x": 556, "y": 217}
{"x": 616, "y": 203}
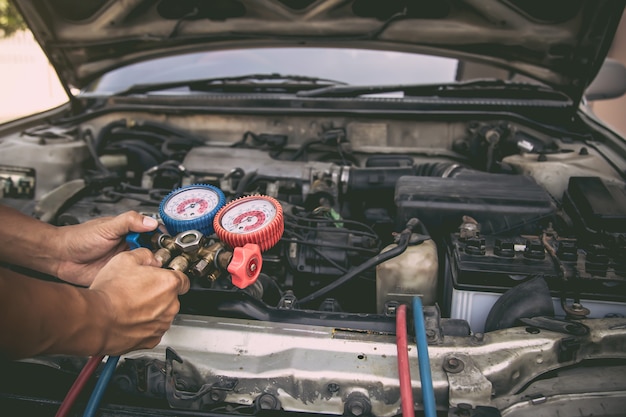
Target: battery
{"x": 478, "y": 270}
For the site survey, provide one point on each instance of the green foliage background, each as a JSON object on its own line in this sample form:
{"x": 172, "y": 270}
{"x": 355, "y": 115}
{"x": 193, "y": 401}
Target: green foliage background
{"x": 10, "y": 19}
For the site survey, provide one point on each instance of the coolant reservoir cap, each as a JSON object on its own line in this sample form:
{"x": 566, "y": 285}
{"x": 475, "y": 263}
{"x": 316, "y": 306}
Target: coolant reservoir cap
{"x": 254, "y": 219}
{"x": 191, "y": 207}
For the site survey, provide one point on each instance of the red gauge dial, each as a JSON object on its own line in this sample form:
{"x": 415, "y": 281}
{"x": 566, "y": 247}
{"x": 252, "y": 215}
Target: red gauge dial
{"x": 254, "y": 219}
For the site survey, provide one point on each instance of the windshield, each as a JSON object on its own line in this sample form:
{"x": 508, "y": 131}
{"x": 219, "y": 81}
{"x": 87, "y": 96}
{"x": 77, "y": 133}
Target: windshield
{"x": 351, "y": 66}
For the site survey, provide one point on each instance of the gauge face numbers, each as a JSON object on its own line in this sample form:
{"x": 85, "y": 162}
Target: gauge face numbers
{"x": 248, "y": 216}
{"x": 256, "y": 219}
{"x": 191, "y": 203}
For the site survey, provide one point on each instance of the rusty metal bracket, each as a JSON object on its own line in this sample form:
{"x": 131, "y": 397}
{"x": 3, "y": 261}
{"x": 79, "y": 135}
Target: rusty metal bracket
{"x": 468, "y": 387}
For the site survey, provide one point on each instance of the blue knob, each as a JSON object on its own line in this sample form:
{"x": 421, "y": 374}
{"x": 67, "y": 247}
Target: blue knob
{"x": 140, "y": 240}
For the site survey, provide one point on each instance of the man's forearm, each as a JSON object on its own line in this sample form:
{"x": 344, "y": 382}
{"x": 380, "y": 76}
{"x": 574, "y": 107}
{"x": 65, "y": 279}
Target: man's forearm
{"x": 44, "y": 317}
{"x": 27, "y": 242}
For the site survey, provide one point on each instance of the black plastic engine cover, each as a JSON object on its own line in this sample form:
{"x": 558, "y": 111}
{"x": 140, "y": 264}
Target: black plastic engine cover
{"x": 498, "y": 202}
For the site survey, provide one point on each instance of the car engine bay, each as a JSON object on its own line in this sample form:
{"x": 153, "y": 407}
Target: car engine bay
{"x": 512, "y": 234}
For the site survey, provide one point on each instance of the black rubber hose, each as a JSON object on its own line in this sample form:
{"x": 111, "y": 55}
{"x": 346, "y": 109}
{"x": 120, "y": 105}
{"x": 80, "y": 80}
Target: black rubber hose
{"x": 304, "y": 147}
{"x": 91, "y": 147}
{"x": 244, "y": 182}
{"x": 528, "y": 299}
{"x": 374, "y": 179}
{"x": 150, "y": 125}
{"x": 102, "y": 136}
{"x": 248, "y": 180}
{"x": 440, "y": 169}
{"x": 403, "y": 243}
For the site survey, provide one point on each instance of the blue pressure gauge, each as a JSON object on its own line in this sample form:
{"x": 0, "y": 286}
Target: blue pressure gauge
{"x": 191, "y": 207}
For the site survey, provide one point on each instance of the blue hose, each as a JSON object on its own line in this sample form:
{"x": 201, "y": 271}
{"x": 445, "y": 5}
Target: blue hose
{"x": 428, "y": 393}
{"x": 101, "y": 386}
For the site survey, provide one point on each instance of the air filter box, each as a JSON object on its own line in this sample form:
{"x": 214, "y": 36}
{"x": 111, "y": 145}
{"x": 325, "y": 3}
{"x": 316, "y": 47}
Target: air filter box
{"x": 499, "y": 202}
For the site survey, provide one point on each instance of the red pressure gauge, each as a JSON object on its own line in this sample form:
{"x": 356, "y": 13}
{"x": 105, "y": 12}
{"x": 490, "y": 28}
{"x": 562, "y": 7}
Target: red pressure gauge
{"x": 254, "y": 219}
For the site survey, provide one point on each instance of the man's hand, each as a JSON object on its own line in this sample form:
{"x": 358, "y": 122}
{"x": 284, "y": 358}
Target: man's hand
{"x": 86, "y": 248}
{"x": 130, "y": 304}
{"x": 140, "y": 300}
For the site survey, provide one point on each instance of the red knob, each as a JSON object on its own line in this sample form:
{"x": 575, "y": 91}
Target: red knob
{"x": 245, "y": 266}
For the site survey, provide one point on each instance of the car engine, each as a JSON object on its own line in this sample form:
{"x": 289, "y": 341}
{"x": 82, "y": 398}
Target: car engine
{"x": 512, "y": 234}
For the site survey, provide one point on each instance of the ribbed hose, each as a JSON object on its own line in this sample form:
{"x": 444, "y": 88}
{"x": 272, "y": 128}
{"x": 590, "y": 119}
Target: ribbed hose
{"x": 440, "y": 169}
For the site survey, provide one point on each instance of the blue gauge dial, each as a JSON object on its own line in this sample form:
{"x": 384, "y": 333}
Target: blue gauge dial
{"x": 191, "y": 207}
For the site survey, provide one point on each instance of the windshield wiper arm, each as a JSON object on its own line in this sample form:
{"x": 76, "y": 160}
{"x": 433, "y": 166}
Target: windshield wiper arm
{"x": 270, "y": 80}
{"x": 476, "y": 88}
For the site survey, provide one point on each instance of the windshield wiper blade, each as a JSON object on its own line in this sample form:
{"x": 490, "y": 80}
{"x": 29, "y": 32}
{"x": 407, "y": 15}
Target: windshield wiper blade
{"x": 468, "y": 89}
{"x": 238, "y": 83}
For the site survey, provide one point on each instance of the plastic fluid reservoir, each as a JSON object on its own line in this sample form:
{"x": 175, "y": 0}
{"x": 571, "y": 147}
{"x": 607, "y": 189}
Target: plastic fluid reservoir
{"x": 413, "y": 272}
{"x": 55, "y": 161}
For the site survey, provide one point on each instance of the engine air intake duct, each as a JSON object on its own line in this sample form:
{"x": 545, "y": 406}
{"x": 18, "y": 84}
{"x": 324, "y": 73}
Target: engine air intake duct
{"x": 499, "y": 202}
{"x": 377, "y": 178}
{"x": 381, "y": 178}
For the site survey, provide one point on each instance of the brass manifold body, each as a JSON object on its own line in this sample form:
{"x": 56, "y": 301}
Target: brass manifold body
{"x": 189, "y": 252}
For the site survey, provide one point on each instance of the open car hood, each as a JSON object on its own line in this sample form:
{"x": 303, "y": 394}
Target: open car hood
{"x": 561, "y": 43}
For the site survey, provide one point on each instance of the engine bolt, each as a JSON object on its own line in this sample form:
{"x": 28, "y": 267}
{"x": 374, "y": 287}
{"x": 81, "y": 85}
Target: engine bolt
{"x": 453, "y": 365}
{"x": 216, "y": 396}
{"x": 356, "y": 409}
{"x": 358, "y": 404}
{"x": 267, "y": 402}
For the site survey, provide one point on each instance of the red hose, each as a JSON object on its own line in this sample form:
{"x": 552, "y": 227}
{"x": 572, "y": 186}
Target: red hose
{"x": 78, "y": 385}
{"x": 404, "y": 369}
